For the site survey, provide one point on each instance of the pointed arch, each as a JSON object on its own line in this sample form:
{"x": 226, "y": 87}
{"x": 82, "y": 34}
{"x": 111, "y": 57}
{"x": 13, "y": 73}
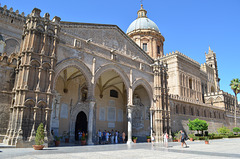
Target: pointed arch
{"x": 115, "y": 68}
{"x": 146, "y": 85}
{"x": 74, "y": 62}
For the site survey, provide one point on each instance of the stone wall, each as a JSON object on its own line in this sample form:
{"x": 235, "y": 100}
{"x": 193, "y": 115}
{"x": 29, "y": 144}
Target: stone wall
{"x": 6, "y": 85}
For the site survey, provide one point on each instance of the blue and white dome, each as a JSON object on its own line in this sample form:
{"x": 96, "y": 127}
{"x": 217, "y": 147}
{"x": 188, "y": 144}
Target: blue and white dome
{"x": 142, "y": 22}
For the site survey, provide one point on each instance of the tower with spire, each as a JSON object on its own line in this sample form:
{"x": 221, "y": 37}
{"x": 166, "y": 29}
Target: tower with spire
{"x": 211, "y": 61}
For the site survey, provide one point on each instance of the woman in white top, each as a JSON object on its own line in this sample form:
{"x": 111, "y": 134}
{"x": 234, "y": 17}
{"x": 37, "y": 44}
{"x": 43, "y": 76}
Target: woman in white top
{"x": 107, "y": 136}
{"x": 165, "y": 139}
{"x": 116, "y": 137}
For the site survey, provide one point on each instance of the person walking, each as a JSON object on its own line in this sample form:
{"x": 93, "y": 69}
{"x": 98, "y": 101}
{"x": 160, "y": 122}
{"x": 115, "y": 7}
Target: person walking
{"x": 183, "y": 137}
{"x": 165, "y": 139}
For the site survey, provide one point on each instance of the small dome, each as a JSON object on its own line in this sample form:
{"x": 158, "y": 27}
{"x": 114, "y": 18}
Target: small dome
{"x": 142, "y": 23}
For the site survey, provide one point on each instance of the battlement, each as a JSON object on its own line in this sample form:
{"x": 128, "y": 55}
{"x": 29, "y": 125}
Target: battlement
{"x": 177, "y": 97}
{"x": 10, "y": 60}
{"x": 181, "y": 54}
{"x": 10, "y": 13}
{"x": 221, "y": 92}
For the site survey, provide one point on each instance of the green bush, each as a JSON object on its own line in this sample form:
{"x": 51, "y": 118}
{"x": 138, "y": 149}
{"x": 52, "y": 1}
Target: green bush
{"x": 39, "y": 140}
{"x": 198, "y": 125}
{"x": 223, "y": 130}
{"x": 58, "y": 138}
{"x": 177, "y": 135}
{"x": 236, "y": 129}
{"x": 134, "y": 137}
{"x": 191, "y": 135}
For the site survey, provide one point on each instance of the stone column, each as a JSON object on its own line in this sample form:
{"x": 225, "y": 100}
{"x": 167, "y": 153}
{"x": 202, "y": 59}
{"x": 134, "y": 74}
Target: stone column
{"x": 39, "y": 78}
{"x": 90, "y": 123}
{"x": 129, "y": 110}
{"x": 151, "y": 122}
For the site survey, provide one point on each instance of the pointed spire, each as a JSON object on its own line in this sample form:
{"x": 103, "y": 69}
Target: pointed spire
{"x": 142, "y": 12}
{"x": 209, "y": 50}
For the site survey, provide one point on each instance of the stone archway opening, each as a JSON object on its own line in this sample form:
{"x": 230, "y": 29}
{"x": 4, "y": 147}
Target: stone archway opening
{"x": 71, "y": 89}
{"x": 111, "y": 101}
{"x": 81, "y": 124}
{"x": 141, "y": 113}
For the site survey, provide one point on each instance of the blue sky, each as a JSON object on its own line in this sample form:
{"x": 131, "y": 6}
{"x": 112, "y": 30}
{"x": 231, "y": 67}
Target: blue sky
{"x": 188, "y": 26}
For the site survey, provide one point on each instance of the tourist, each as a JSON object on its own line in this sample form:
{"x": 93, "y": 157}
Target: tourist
{"x": 99, "y": 134}
{"x": 116, "y": 137}
{"x": 104, "y": 136}
{"x": 165, "y": 139}
{"x": 183, "y": 137}
{"x": 79, "y": 136}
{"x": 107, "y": 136}
{"x": 153, "y": 138}
{"x": 112, "y": 137}
{"x": 123, "y": 136}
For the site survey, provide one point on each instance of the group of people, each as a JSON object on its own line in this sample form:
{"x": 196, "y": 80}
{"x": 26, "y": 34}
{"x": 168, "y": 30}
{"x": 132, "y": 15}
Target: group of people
{"x": 183, "y": 138}
{"x": 107, "y": 137}
{"x": 80, "y": 135}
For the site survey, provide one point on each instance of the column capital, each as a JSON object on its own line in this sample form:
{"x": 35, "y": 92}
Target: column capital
{"x": 130, "y": 106}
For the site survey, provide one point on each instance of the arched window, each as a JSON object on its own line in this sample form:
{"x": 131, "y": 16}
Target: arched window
{"x": 184, "y": 110}
{"x": 176, "y": 109}
{"x": 191, "y": 111}
{"x": 197, "y": 112}
{"x": 190, "y": 83}
{"x": 113, "y": 93}
{"x": 212, "y": 89}
{"x": 144, "y": 46}
{"x": 205, "y": 115}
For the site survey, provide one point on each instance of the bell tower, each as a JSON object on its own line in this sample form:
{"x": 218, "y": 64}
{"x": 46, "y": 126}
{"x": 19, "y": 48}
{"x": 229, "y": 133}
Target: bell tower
{"x": 211, "y": 61}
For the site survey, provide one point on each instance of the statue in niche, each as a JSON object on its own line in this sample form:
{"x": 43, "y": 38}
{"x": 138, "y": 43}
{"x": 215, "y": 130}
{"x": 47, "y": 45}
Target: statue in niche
{"x": 82, "y": 93}
{"x": 138, "y": 113}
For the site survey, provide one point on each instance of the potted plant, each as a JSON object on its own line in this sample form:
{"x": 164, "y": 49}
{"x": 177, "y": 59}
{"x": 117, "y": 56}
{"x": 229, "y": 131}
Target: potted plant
{"x": 83, "y": 140}
{"x": 206, "y": 140}
{"x": 39, "y": 139}
{"x": 66, "y": 136}
{"x": 148, "y": 139}
{"x": 57, "y": 140}
{"x": 134, "y": 139}
{"x": 178, "y": 136}
{"x": 191, "y": 136}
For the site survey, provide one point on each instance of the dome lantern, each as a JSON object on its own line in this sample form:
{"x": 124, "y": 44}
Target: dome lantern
{"x": 142, "y": 12}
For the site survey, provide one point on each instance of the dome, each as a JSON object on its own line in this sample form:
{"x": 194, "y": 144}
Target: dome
{"x": 142, "y": 23}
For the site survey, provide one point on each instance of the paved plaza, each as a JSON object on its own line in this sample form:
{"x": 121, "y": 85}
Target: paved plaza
{"x": 224, "y": 148}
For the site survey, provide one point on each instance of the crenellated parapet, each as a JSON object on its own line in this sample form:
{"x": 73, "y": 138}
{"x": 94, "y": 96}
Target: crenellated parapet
{"x": 221, "y": 92}
{"x": 14, "y": 18}
{"x": 182, "y": 55}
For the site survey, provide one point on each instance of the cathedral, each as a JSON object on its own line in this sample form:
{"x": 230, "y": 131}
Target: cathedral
{"x": 74, "y": 77}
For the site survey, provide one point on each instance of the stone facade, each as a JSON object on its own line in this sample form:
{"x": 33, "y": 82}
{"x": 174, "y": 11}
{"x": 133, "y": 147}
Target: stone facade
{"x": 84, "y": 77}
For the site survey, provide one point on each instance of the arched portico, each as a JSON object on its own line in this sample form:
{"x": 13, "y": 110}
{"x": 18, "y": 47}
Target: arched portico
{"x": 73, "y": 86}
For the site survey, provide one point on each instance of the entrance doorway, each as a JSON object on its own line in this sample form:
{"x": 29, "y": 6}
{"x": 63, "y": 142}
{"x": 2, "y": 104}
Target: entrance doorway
{"x": 81, "y": 124}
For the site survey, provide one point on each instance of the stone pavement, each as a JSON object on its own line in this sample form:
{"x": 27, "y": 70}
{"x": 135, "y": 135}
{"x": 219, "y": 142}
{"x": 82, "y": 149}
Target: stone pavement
{"x": 217, "y": 149}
